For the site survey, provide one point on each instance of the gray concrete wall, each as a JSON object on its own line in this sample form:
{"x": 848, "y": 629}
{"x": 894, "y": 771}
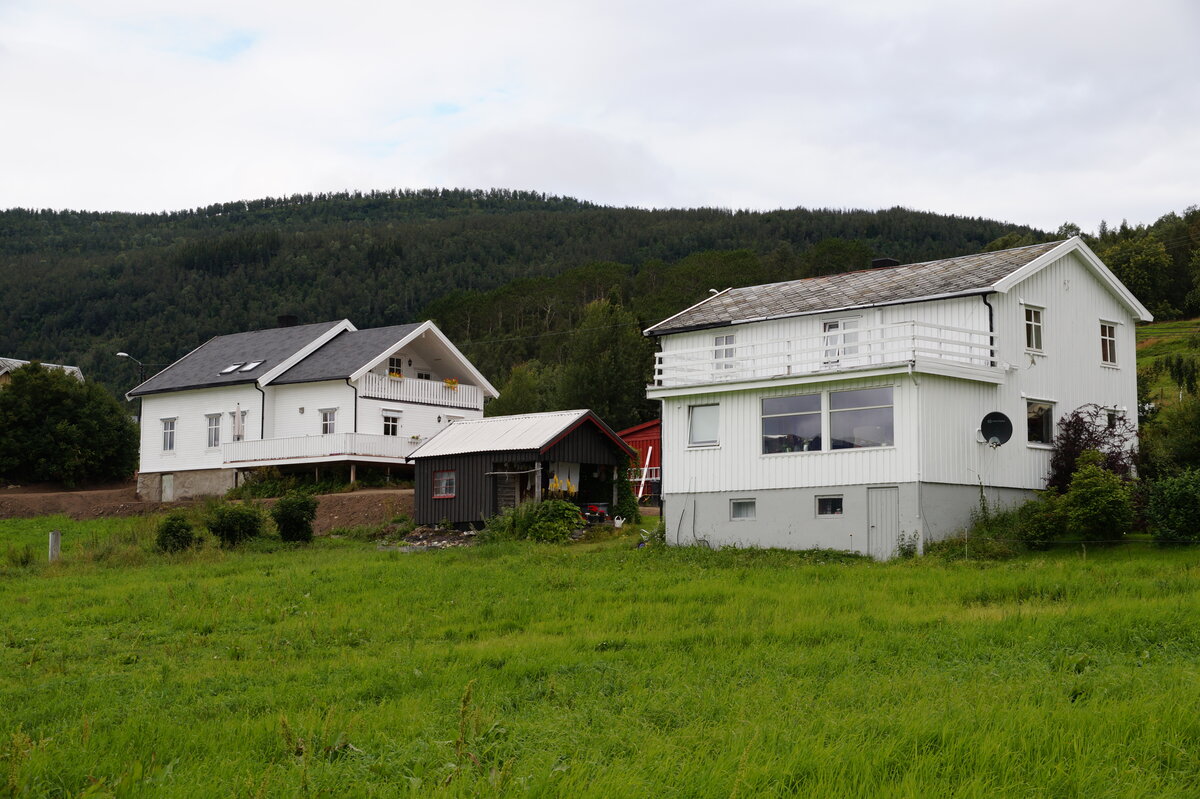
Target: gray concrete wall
{"x": 188, "y": 484}
{"x": 946, "y": 508}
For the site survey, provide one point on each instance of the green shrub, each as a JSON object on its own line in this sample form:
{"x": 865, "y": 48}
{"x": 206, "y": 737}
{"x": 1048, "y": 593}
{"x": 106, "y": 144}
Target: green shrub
{"x": 1097, "y": 505}
{"x": 175, "y": 534}
{"x": 1039, "y": 521}
{"x": 627, "y": 505}
{"x": 233, "y": 524}
{"x": 1173, "y": 509}
{"x": 293, "y": 514}
{"x": 552, "y": 520}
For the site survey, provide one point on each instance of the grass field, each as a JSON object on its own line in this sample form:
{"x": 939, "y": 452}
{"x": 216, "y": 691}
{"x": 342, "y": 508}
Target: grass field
{"x": 1156, "y": 339}
{"x": 591, "y": 670}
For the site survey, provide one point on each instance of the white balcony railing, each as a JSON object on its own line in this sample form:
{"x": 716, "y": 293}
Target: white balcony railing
{"x": 428, "y": 392}
{"x": 916, "y": 343}
{"x": 335, "y": 446}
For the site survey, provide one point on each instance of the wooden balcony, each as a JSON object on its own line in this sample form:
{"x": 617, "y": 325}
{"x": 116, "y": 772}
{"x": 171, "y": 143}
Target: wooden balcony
{"x": 426, "y": 392}
{"x": 922, "y": 347}
{"x": 335, "y": 447}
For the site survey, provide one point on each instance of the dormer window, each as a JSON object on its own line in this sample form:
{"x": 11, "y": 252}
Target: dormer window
{"x": 233, "y": 367}
{"x": 250, "y": 367}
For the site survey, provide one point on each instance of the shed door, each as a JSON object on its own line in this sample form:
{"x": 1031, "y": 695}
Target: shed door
{"x": 168, "y": 488}
{"x": 883, "y": 520}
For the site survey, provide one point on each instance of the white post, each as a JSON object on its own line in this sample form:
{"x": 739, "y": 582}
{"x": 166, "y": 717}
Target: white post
{"x": 55, "y": 545}
{"x": 642, "y": 482}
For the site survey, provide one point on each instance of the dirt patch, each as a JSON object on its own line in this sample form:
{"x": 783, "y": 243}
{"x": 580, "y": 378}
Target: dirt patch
{"x": 359, "y": 508}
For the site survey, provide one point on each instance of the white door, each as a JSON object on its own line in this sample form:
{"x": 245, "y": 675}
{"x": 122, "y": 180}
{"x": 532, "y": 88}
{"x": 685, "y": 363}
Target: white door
{"x": 168, "y": 488}
{"x": 883, "y": 520}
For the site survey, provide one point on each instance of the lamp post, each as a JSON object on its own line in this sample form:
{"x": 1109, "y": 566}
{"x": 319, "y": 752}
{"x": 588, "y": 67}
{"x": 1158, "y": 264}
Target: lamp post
{"x": 141, "y": 366}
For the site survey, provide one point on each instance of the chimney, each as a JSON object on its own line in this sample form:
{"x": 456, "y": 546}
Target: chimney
{"x": 287, "y": 320}
{"x": 883, "y": 263}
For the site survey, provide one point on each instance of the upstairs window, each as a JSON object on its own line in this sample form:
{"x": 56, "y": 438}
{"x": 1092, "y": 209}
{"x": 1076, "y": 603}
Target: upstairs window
{"x": 423, "y": 376}
{"x": 214, "y": 430}
{"x": 1033, "y": 329}
{"x": 168, "y": 435}
{"x": 703, "y": 425}
{"x": 1040, "y": 417}
{"x": 250, "y": 367}
{"x": 841, "y": 338}
{"x": 1108, "y": 343}
{"x": 233, "y": 367}
{"x": 395, "y": 367}
{"x": 237, "y": 425}
{"x": 391, "y": 424}
{"x": 723, "y": 352}
{"x": 328, "y": 421}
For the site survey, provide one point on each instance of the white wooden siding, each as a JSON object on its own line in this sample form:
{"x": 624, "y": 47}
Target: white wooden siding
{"x": 287, "y": 401}
{"x": 191, "y": 410}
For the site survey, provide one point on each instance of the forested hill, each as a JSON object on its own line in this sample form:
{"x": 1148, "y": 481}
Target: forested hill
{"x": 78, "y": 286}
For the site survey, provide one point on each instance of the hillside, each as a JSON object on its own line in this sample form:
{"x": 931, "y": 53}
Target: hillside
{"x": 79, "y": 286}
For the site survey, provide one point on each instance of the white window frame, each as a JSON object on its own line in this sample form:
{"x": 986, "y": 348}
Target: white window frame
{"x": 841, "y": 506}
{"x": 391, "y": 413}
{"x": 724, "y": 349}
{"x": 448, "y": 485}
{"x": 1052, "y": 425}
{"x": 841, "y": 338}
{"x": 169, "y": 427}
{"x": 828, "y": 413}
{"x": 424, "y": 376}
{"x": 395, "y": 364}
{"x": 328, "y": 421}
{"x": 212, "y": 428}
{"x": 1035, "y": 327}
{"x": 1108, "y": 343}
{"x": 705, "y": 443}
{"x": 744, "y": 503}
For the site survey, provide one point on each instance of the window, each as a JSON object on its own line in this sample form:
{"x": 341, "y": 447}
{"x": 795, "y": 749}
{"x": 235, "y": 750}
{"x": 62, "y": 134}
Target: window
{"x": 328, "y": 421}
{"x": 791, "y": 424}
{"x": 1108, "y": 343}
{"x": 841, "y": 338}
{"x": 395, "y": 367}
{"x": 391, "y": 424}
{"x": 423, "y": 376}
{"x": 861, "y": 418}
{"x": 1033, "y": 329}
{"x": 233, "y": 367}
{"x": 237, "y": 426}
{"x": 741, "y": 509}
{"x": 444, "y": 484}
{"x": 1041, "y": 422}
{"x": 829, "y": 506}
{"x": 703, "y": 425}
{"x": 1112, "y": 420}
{"x": 168, "y": 435}
{"x": 250, "y": 367}
{"x": 723, "y": 352}
{"x": 214, "y": 430}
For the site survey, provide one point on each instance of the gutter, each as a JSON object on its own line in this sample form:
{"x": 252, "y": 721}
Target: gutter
{"x": 354, "y": 388}
{"x": 262, "y": 412}
{"x": 991, "y": 327}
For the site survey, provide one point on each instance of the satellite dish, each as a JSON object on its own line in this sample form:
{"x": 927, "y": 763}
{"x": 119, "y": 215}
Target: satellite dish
{"x": 996, "y": 428}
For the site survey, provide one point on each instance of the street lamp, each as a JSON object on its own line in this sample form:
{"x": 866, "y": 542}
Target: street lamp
{"x": 141, "y": 366}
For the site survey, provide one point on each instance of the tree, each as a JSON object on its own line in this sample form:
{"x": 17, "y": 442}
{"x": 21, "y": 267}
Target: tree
{"x": 608, "y": 365}
{"x": 1141, "y": 264}
{"x": 1091, "y": 427}
{"x": 58, "y": 429}
{"x": 530, "y": 388}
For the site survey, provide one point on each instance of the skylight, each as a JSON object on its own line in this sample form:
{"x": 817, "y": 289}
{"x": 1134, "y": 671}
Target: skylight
{"x": 251, "y": 366}
{"x": 232, "y": 368}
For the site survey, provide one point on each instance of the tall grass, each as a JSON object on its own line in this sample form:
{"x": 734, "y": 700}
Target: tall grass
{"x": 600, "y": 670}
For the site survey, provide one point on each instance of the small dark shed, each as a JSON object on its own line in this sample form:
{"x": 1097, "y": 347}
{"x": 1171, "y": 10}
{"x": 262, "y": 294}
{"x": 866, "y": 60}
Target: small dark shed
{"x": 475, "y": 468}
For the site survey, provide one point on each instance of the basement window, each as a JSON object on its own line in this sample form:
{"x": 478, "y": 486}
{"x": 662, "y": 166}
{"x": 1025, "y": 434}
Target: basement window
{"x": 742, "y": 510}
{"x": 829, "y": 506}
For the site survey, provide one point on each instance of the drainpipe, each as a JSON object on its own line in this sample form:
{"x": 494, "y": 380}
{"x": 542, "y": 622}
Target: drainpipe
{"x": 920, "y": 451}
{"x": 262, "y": 412}
{"x": 991, "y": 328}
{"x": 354, "y": 388}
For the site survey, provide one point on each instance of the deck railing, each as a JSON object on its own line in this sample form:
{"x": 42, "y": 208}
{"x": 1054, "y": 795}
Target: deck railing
{"x": 843, "y": 350}
{"x": 340, "y": 446}
{"x": 428, "y": 392}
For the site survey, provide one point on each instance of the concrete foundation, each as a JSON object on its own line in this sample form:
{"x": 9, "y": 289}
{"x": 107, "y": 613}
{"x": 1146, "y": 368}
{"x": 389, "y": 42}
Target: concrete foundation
{"x": 185, "y": 485}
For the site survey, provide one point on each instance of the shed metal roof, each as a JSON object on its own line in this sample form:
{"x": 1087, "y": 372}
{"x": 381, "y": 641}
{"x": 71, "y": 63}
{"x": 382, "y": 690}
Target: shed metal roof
{"x": 967, "y": 274}
{"x": 9, "y": 364}
{"x": 529, "y": 431}
{"x": 203, "y": 366}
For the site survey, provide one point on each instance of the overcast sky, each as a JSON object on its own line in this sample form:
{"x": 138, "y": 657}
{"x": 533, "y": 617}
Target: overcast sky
{"x": 1029, "y": 111}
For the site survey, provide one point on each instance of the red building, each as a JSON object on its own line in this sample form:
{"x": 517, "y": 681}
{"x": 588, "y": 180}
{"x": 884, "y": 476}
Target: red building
{"x": 646, "y": 438}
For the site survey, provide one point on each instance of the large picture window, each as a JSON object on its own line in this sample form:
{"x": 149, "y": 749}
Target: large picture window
{"x": 861, "y": 418}
{"x": 704, "y": 423}
{"x": 445, "y": 484}
{"x": 791, "y": 424}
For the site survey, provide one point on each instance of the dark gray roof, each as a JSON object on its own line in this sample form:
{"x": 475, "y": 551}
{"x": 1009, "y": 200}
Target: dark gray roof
{"x": 966, "y": 274}
{"x": 201, "y": 368}
{"x": 345, "y": 354}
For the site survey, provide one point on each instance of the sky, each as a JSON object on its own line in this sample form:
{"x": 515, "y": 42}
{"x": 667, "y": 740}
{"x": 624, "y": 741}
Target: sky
{"x": 1037, "y": 112}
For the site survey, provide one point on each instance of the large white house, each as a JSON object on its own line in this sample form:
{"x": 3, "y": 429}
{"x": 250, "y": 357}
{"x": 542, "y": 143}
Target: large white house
{"x": 314, "y": 394}
{"x": 846, "y": 410}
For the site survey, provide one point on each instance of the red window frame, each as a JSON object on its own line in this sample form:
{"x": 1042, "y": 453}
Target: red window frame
{"x": 451, "y": 484}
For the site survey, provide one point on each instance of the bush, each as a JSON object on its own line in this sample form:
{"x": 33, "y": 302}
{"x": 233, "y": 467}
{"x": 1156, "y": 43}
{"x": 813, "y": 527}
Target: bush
{"x": 551, "y": 520}
{"x": 175, "y": 533}
{"x": 233, "y": 524}
{"x": 1040, "y": 521}
{"x": 293, "y": 515}
{"x": 1174, "y": 508}
{"x": 1087, "y": 428}
{"x": 1097, "y": 506}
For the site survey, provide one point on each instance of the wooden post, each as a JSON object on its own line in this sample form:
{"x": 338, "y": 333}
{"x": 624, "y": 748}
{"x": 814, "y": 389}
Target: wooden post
{"x": 537, "y": 482}
{"x": 353, "y": 467}
{"x": 55, "y": 545}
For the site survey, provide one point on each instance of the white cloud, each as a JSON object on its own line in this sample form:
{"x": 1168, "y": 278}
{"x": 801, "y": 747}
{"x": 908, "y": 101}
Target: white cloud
{"x": 1033, "y": 112}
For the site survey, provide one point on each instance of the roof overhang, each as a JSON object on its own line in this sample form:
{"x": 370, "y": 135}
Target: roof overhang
{"x": 604, "y": 429}
{"x": 429, "y": 327}
{"x": 344, "y": 326}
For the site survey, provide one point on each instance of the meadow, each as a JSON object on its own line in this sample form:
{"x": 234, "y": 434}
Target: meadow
{"x": 592, "y": 670}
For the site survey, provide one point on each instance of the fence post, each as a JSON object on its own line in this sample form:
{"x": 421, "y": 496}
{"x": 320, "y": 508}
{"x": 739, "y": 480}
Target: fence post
{"x": 55, "y": 545}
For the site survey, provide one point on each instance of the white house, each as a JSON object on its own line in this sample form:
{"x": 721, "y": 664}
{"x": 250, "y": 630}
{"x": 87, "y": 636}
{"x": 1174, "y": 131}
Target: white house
{"x": 846, "y": 410}
{"x": 8, "y": 365}
{"x": 309, "y": 394}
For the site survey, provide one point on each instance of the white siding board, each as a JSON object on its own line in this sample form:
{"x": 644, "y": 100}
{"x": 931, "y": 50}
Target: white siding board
{"x": 191, "y": 409}
{"x": 287, "y": 400}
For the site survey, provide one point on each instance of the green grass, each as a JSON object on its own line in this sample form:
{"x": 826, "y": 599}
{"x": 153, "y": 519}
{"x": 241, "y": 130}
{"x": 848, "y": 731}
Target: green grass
{"x": 594, "y": 670}
{"x": 1156, "y": 339}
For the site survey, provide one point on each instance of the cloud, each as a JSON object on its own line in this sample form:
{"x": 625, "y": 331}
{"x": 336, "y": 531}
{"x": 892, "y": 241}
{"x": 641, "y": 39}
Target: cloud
{"x": 1033, "y": 112}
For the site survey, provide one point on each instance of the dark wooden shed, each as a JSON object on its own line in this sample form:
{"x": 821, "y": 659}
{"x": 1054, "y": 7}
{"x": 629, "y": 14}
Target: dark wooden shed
{"x": 477, "y": 467}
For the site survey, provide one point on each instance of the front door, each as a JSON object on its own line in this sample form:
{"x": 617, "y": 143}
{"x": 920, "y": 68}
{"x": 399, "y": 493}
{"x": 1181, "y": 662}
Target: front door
{"x": 883, "y": 520}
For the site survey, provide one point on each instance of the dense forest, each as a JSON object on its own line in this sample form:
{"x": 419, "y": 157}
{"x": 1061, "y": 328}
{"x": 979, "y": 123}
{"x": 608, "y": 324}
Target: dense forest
{"x": 508, "y": 275}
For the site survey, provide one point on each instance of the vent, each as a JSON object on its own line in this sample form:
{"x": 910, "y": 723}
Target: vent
{"x": 883, "y": 263}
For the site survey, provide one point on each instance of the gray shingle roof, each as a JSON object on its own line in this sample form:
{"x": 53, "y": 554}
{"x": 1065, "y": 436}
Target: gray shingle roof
{"x": 966, "y": 274}
{"x": 201, "y": 368}
{"x": 345, "y": 354}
